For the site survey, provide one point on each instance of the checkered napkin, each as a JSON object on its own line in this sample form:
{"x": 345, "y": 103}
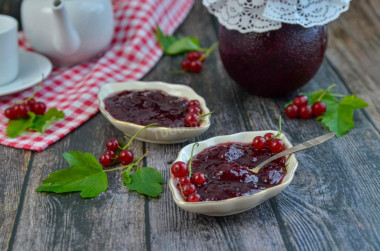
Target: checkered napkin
{"x": 134, "y": 51}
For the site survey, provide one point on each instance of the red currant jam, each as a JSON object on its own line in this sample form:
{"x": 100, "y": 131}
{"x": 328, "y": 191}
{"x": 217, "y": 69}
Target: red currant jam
{"x": 226, "y": 167}
{"x": 147, "y": 107}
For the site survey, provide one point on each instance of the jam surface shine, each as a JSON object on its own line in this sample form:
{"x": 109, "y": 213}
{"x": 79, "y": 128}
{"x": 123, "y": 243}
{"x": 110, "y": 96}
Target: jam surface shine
{"x": 147, "y": 107}
{"x": 226, "y": 167}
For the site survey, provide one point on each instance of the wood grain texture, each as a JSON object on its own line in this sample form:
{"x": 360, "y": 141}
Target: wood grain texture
{"x": 354, "y": 50}
{"x": 112, "y": 221}
{"x": 13, "y": 169}
{"x": 332, "y": 203}
{"x": 324, "y": 207}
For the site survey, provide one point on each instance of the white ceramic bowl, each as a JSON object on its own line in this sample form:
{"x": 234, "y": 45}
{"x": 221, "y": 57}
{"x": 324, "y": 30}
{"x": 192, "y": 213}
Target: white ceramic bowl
{"x": 237, "y": 204}
{"x": 160, "y": 135}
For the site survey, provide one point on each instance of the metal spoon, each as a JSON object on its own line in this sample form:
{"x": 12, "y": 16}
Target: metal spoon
{"x": 303, "y": 146}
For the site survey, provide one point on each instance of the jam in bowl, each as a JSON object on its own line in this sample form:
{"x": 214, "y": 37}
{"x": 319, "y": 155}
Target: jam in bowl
{"x": 221, "y": 181}
{"x": 130, "y": 106}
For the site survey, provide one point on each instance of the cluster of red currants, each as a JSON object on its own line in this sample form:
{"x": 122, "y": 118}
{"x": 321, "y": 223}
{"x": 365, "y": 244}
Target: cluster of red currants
{"x": 112, "y": 155}
{"x": 193, "y": 117}
{"x": 193, "y": 62}
{"x": 300, "y": 107}
{"x": 21, "y": 110}
{"x": 186, "y": 184}
{"x": 275, "y": 145}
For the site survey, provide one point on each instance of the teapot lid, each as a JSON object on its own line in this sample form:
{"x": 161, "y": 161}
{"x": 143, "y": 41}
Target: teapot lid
{"x": 265, "y": 15}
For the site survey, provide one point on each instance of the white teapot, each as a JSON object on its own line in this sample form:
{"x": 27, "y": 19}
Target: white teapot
{"x": 68, "y": 31}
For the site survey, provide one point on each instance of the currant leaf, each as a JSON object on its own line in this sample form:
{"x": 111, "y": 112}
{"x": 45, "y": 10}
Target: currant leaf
{"x": 17, "y": 126}
{"x": 42, "y": 122}
{"x": 172, "y": 45}
{"x": 340, "y": 118}
{"x": 84, "y": 176}
{"x": 146, "y": 181}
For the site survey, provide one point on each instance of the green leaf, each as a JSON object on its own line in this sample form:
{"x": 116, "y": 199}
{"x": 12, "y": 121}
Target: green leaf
{"x": 17, "y": 126}
{"x": 42, "y": 122}
{"x": 146, "y": 181}
{"x": 126, "y": 178}
{"x": 172, "y": 45}
{"x": 340, "y": 120}
{"x": 84, "y": 176}
{"x": 77, "y": 158}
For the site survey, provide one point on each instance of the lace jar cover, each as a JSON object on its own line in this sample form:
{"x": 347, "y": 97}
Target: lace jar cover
{"x": 265, "y": 15}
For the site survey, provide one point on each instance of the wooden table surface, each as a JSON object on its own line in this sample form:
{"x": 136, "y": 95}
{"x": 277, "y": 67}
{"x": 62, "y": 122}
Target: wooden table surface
{"x": 333, "y": 202}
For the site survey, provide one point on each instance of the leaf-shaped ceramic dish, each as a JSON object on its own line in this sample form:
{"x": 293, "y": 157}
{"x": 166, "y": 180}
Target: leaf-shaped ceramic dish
{"x": 237, "y": 204}
{"x": 161, "y": 135}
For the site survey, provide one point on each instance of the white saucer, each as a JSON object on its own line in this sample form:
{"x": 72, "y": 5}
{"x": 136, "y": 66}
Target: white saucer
{"x": 32, "y": 67}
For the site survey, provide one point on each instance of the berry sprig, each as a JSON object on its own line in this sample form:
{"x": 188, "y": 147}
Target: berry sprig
{"x": 118, "y": 152}
{"x": 30, "y": 114}
{"x": 194, "y": 117}
{"x": 186, "y": 182}
{"x": 270, "y": 140}
{"x": 21, "y": 109}
{"x": 195, "y": 59}
{"x": 87, "y": 175}
{"x": 324, "y": 105}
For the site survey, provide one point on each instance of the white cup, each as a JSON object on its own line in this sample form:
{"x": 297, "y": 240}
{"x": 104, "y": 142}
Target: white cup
{"x": 8, "y": 49}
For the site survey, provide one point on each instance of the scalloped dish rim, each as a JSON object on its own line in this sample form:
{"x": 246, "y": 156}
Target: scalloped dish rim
{"x": 196, "y": 207}
{"x": 177, "y": 90}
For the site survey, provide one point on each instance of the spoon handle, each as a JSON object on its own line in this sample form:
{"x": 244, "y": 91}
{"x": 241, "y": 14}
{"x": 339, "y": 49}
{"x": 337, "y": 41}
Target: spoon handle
{"x": 303, "y": 146}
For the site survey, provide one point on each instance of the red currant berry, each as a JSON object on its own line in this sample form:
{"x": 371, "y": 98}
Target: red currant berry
{"x": 194, "y": 109}
{"x": 38, "y": 108}
{"x": 30, "y": 102}
{"x": 194, "y": 102}
{"x": 105, "y": 159}
{"x": 306, "y": 112}
{"x": 199, "y": 178}
{"x": 259, "y": 143}
{"x": 112, "y": 144}
{"x": 10, "y": 114}
{"x": 179, "y": 169}
{"x": 184, "y": 180}
{"x": 192, "y": 56}
{"x": 191, "y": 120}
{"x": 195, "y": 66}
{"x": 185, "y": 64}
{"x": 268, "y": 137}
{"x": 111, "y": 154}
{"x": 188, "y": 189}
{"x": 20, "y": 110}
{"x": 126, "y": 157}
{"x": 319, "y": 108}
{"x": 277, "y": 145}
{"x": 300, "y": 101}
{"x": 291, "y": 111}
{"x": 194, "y": 197}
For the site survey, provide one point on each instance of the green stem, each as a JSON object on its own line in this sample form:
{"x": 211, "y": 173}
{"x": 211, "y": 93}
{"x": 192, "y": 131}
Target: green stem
{"x": 139, "y": 159}
{"x": 191, "y": 157}
{"x": 208, "y": 51}
{"x": 134, "y": 136}
{"x": 204, "y": 115}
{"x": 118, "y": 168}
{"x": 280, "y": 131}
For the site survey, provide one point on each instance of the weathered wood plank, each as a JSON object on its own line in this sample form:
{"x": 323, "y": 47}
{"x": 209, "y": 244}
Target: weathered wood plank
{"x": 172, "y": 228}
{"x": 13, "y": 169}
{"x": 334, "y": 198}
{"x": 113, "y": 220}
{"x": 354, "y": 50}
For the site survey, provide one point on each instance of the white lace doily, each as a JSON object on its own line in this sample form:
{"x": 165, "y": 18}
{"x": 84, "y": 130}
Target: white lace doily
{"x": 265, "y": 15}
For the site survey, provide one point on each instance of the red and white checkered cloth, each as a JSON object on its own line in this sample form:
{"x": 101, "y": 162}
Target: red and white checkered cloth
{"x": 134, "y": 51}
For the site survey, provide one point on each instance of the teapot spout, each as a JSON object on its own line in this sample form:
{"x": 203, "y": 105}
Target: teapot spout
{"x": 65, "y": 39}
